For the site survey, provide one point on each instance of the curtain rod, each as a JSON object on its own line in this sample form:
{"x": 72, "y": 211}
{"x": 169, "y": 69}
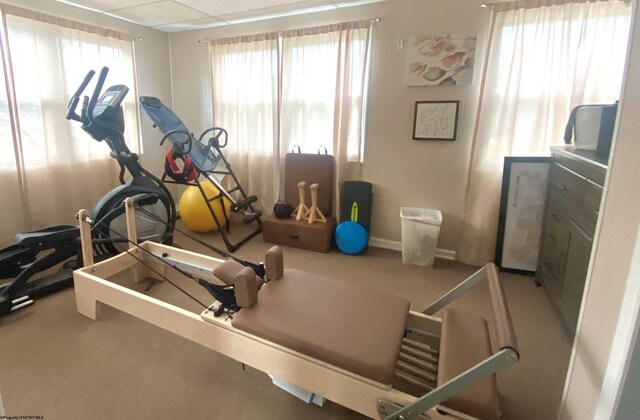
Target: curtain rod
{"x": 486, "y": 5}
{"x": 206, "y": 41}
{"x": 64, "y": 22}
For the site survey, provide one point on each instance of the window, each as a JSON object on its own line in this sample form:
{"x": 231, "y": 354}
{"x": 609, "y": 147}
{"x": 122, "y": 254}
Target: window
{"x": 314, "y": 90}
{"x": 50, "y": 168}
{"x": 543, "y": 62}
{"x": 318, "y": 77}
{"x": 298, "y": 88}
{"x": 51, "y": 62}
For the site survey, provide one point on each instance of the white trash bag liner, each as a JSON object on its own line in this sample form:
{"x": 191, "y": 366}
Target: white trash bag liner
{"x": 420, "y": 231}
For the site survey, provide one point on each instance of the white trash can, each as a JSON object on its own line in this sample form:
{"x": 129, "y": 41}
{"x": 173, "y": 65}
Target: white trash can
{"x": 420, "y": 231}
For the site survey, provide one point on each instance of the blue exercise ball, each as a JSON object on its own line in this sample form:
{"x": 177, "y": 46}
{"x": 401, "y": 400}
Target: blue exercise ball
{"x": 351, "y": 238}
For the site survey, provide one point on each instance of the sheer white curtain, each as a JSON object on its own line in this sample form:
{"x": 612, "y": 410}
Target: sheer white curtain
{"x": 323, "y": 82}
{"x": 542, "y": 61}
{"x": 11, "y": 207}
{"x": 303, "y": 87}
{"x": 56, "y": 167}
{"x": 245, "y": 103}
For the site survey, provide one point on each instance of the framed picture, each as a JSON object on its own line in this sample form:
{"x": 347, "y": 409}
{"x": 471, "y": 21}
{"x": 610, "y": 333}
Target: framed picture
{"x": 440, "y": 59}
{"x": 524, "y": 190}
{"x": 435, "y": 120}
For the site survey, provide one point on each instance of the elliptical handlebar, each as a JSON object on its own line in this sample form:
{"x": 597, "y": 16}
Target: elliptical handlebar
{"x": 96, "y": 92}
{"x": 73, "y": 102}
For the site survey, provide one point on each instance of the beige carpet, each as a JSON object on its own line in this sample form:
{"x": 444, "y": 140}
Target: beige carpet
{"x": 60, "y": 365}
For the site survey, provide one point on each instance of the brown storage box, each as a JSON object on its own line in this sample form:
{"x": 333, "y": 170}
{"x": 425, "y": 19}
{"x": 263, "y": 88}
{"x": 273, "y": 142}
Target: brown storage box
{"x": 299, "y": 234}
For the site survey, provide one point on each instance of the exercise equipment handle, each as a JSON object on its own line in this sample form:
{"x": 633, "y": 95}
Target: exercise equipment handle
{"x": 179, "y": 131}
{"x": 215, "y": 140}
{"x": 84, "y": 83}
{"x": 83, "y": 110}
{"x": 96, "y": 91}
{"x": 73, "y": 102}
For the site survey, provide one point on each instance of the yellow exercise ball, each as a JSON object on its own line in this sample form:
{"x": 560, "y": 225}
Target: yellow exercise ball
{"x": 194, "y": 211}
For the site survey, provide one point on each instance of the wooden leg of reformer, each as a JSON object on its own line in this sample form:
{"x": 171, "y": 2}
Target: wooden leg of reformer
{"x": 85, "y": 303}
{"x": 85, "y": 237}
{"x": 88, "y": 307}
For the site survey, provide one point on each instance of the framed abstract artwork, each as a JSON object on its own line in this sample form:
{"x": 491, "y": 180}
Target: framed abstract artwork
{"x": 440, "y": 60}
{"x": 435, "y": 120}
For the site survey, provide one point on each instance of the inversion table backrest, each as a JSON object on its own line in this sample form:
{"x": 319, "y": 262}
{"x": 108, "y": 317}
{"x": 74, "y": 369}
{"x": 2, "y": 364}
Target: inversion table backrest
{"x": 312, "y": 168}
{"x": 203, "y": 157}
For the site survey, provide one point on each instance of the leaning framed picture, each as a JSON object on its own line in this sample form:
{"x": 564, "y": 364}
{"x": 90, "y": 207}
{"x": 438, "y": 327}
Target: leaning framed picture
{"x": 524, "y": 190}
{"x": 435, "y": 120}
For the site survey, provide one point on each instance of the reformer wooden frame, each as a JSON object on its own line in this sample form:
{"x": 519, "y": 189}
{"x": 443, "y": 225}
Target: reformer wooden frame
{"x": 373, "y": 399}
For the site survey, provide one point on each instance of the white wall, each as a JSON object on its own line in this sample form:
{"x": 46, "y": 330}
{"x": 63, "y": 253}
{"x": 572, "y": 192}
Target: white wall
{"x": 612, "y": 265}
{"x": 151, "y": 59}
{"x": 404, "y": 172}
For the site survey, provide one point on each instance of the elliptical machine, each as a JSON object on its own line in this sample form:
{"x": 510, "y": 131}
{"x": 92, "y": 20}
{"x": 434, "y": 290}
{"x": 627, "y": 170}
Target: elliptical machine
{"x": 102, "y": 118}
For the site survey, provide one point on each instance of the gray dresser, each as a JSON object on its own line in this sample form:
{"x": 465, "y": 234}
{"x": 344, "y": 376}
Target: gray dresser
{"x": 574, "y": 192}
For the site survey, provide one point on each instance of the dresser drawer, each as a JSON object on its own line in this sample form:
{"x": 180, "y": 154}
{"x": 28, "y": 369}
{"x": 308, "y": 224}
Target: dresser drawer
{"x": 556, "y": 227}
{"x": 590, "y": 206}
{"x": 546, "y": 273}
{"x": 566, "y": 188}
{"x": 552, "y": 259}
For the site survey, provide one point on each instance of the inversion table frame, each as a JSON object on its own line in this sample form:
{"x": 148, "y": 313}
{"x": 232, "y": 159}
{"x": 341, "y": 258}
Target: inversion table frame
{"x": 373, "y": 399}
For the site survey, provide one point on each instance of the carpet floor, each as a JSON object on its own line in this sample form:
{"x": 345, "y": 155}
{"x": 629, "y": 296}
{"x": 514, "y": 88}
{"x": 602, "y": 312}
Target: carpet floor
{"x": 58, "y": 364}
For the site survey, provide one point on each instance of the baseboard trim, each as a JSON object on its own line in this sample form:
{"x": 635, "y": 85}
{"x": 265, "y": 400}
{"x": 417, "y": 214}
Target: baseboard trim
{"x": 445, "y": 254}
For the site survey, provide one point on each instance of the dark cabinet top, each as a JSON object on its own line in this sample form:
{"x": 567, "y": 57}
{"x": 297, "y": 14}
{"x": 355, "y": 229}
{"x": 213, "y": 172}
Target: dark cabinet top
{"x": 585, "y": 156}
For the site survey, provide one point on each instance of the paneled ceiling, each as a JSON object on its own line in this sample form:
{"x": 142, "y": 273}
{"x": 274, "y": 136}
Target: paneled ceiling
{"x": 183, "y": 15}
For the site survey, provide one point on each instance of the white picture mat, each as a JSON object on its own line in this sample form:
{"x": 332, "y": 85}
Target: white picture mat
{"x": 523, "y": 221}
{"x": 435, "y": 120}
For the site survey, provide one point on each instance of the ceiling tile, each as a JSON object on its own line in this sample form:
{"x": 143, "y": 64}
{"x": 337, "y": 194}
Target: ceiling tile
{"x": 301, "y": 7}
{"x": 226, "y": 7}
{"x": 191, "y": 24}
{"x": 159, "y": 13}
{"x": 106, "y": 5}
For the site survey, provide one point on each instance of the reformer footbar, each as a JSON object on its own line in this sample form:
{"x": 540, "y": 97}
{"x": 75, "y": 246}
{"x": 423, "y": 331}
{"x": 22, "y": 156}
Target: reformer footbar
{"x": 428, "y": 349}
{"x": 204, "y": 157}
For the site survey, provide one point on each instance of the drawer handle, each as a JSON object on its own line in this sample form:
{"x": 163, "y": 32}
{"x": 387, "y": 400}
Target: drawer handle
{"x": 294, "y": 236}
{"x": 555, "y": 218}
{"x": 563, "y": 187}
{"x": 553, "y": 239}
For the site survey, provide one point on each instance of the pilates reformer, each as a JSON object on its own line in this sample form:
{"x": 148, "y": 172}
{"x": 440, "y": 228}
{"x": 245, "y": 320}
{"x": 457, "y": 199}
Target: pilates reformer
{"x": 203, "y": 159}
{"x": 360, "y": 348}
